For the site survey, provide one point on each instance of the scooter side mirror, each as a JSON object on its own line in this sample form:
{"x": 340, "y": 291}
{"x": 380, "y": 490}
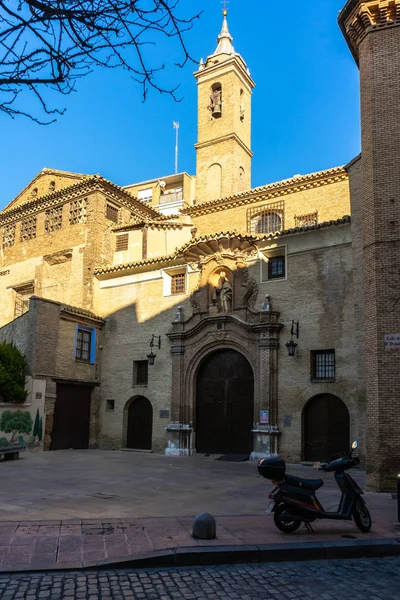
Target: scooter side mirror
{"x": 353, "y": 447}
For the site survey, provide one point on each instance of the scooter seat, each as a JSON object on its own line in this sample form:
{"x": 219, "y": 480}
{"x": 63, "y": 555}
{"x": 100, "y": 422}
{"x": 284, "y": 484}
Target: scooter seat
{"x": 307, "y": 484}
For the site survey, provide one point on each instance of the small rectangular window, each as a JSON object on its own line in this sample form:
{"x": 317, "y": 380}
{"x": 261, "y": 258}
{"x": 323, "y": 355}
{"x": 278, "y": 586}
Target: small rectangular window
{"x": 8, "y": 235}
{"x": 112, "y": 213}
{"x": 110, "y": 405}
{"x": 178, "y": 283}
{"x": 140, "y": 372}
{"x": 53, "y": 219}
{"x": 306, "y": 220}
{"x": 22, "y": 298}
{"x": 145, "y": 195}
{"x": 323, "y": 365}
{"x": 122, "y": 242}
{"x": 276, "y": 267}
{"x": 78, "y": 211}
{"x": 83, "y": 344}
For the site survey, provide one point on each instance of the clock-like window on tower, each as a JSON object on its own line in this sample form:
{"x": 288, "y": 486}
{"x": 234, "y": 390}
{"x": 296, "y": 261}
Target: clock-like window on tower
{"x": 216, "y": 100}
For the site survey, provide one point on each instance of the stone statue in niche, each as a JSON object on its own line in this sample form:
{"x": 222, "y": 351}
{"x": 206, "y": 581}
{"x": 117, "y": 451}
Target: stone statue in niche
{"x": 223, "y": 294}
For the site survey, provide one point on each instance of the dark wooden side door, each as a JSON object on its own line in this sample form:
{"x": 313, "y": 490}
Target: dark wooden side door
{"x": 140, "y": 424}
{"x": 326, "y": 427}
{"x": 71, "y": 417}
{"x": 224, "y": 404}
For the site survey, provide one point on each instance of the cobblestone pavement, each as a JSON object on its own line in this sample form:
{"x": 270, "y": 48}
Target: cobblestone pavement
{"x": 364, "y": 579}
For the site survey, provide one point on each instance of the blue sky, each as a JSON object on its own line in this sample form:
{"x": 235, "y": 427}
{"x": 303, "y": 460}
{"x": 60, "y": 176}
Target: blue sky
{"x": 305, "y": 104}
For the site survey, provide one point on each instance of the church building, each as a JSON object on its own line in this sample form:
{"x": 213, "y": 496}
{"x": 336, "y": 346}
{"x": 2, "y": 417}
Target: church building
{"x": 196, "y": 314}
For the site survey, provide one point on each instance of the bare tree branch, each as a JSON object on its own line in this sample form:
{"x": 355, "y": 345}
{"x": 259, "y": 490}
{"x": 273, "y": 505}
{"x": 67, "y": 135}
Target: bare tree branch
{"x": 46, "y": 45}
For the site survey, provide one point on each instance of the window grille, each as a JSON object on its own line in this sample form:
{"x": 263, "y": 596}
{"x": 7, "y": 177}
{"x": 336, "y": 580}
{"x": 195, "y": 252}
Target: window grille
{"x": 78, "y": 211}
{"x": 122, "y": 242}
{"x": 22, "y": 298}
{"x": 28, "y": 229}
{"x": 53, "y": 219}
{"x": 140, "y": 372}
{"x": 276, "y": 267}
{"x": 306, "y": 220}
{"x": 145, "y": 195}
{"x": 9, "y": 236}
{"x": 83, "y": 344}
{"x": 322, "y": 364}
{"x": 267, "y": 218}
{"x": 112, "y": 213}
{"x": 178, "y": 283}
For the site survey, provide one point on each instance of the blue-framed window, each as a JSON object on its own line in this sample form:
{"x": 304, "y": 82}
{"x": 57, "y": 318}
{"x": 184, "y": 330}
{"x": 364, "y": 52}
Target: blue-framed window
{"x": 85, "y": 344}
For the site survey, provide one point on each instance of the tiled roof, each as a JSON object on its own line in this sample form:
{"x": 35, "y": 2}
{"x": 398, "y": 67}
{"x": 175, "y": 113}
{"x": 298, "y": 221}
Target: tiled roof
{"x": 272, "y": 190}
{"x": 241, "y": 236}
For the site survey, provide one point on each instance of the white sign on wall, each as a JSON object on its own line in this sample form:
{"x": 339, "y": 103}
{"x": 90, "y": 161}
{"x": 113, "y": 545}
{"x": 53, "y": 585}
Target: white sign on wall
{"x": 392, "y": 341}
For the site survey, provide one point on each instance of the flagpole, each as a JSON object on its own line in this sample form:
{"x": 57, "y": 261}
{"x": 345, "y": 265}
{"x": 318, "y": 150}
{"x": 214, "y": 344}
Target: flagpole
{"x": 176, "y": 148}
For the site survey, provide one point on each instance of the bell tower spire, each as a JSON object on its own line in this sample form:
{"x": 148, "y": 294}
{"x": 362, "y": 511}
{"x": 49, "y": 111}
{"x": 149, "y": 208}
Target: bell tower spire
{"x": 223, "y": 155}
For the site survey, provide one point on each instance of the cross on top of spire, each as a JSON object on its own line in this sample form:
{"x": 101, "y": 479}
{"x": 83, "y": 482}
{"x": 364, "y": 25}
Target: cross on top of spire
{"x": 225, "y": 38}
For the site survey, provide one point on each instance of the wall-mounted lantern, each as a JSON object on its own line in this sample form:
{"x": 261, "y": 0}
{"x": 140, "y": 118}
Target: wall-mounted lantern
{"x": 155, "y": 341}
{"x": 291, "y": 346}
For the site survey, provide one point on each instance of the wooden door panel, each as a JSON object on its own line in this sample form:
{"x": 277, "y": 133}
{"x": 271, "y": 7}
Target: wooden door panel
{"x": 326, "y": 427}
{"x": 224, "y": 404}
{"x": 71, "y": 422}
{"x": 140, "y": 424}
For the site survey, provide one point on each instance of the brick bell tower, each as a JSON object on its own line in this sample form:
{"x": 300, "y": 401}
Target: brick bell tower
{"x": 223, "y": 155}
{"x": 372, "y": 31}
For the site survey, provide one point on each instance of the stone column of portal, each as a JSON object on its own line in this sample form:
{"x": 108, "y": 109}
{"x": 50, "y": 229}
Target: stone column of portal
{"x": 179, "y": 432}
{"x": 372, "y": 30}
{"x": 265, "y": 440}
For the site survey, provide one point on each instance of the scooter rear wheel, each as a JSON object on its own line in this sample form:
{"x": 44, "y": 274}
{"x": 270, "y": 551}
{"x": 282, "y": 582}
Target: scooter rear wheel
{"x": 286, "y": 526}
{"x": 361, "y": 516}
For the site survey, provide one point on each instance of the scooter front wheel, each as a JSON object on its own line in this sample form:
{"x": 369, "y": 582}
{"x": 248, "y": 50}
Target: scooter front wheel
{"x": 361, "y": 516}
{"x": 285, "y": 526}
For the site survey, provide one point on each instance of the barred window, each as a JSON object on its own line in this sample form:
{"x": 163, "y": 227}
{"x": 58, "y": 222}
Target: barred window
{"x": 122, "y": 242}
{"x": 322, "y": 365}
{"x": 178, "y": 283}
{"x": 267, "y": 218}
{"x": 28, "y": 229}
{"x": 53, "y": 219}
{"x": 78, "y": 211}
{"x": 140, "y": 372}
{"x": 22, "y": 297}
{"x": 9, "y": 235}
{"x": 83, "y": 344}
{"x": 306, "y": 220}
{"x": 112, "y": 213}
{"x": 276, "y": 267}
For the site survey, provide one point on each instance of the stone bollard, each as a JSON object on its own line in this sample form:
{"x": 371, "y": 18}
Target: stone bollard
{"x": 204, "y": 527}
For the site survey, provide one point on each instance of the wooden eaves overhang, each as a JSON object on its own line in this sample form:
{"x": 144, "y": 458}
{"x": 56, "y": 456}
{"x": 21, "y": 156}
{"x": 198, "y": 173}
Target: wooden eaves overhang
{"x": 208, "y": 245}
{"x": 140, "y": 210}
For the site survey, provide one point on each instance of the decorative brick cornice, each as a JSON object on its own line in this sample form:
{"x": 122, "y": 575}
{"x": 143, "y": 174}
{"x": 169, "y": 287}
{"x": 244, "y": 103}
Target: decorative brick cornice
{"x": 211, "y": 243}
{"x": 270, "y": 191}
{"x": 359, "y": 17}
{"x": 150, "y": 224}
{"x": 140, "y": 209}
{"x": 74, "y": 313}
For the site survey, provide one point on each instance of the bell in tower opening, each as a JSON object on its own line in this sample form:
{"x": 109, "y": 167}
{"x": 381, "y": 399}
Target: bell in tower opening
{"x": 216, "y": 100}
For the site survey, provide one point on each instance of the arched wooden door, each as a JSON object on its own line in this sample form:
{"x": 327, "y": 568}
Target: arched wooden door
{"x": 224, "y": 404}
{"x": 326, "y": 424}
{"x": 140, "y": 424}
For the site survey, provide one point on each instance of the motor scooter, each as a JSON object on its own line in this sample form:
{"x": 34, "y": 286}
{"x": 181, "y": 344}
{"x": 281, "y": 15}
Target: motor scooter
{"x": 293, "y": 500}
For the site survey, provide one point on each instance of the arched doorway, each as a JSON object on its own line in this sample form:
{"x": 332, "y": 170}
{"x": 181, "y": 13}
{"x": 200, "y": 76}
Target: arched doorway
{"x": 140, "y": 424}
{"x": 326, "y": 427}
{"x": 224, "y": 404}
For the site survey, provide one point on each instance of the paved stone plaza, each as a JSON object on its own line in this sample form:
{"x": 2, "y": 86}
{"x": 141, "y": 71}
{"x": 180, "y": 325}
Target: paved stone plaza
{"x": 95, "y": 484}
{"x": 373, "y": 579}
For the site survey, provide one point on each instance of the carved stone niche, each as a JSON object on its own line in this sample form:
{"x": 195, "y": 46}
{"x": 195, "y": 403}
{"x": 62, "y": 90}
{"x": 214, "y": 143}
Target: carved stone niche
{"x": 215, "y": 269}
{"x": 220, "y": 291}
